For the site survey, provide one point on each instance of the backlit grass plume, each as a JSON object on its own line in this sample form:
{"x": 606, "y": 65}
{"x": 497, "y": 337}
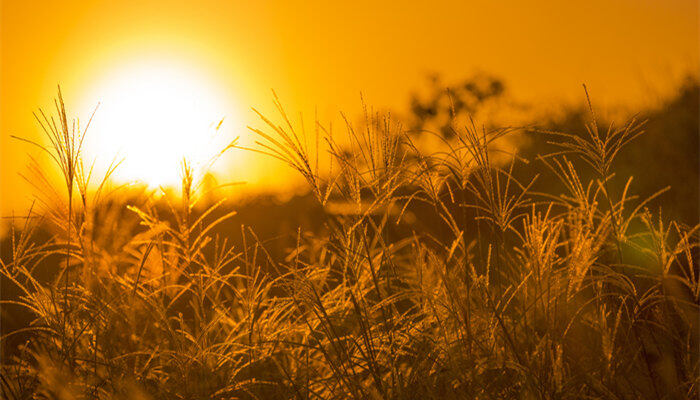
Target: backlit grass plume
{"x": 440, "y": 275}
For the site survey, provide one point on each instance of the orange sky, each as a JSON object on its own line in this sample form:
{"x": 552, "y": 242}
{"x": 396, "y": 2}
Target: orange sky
{"x": 319, "y": 54}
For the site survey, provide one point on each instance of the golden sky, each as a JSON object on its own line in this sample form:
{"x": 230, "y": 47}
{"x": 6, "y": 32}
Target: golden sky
{"x": 321, "y": 55}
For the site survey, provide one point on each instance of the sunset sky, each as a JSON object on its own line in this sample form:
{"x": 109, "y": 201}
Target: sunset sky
{"x": 320, "y": 56}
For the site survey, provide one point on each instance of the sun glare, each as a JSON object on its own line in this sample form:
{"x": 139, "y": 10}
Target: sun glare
{"x": 151, "y": 116}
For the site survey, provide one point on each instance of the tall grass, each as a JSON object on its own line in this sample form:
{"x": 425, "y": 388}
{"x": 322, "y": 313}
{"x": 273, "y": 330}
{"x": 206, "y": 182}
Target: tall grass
{"x": 437, "y": 275}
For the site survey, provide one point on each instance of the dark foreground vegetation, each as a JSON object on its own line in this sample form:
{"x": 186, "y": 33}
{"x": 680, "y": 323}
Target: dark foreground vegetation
{"x": 469, "y": 272}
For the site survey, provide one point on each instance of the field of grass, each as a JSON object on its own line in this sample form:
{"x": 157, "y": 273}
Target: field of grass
{"x": 443, "y": 275}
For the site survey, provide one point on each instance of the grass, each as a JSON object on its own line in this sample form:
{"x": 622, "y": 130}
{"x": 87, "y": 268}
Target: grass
{"x": 441, "y": 275}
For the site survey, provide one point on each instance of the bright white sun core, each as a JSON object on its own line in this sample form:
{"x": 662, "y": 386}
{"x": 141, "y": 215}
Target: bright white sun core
{"x": 150, "y": 117}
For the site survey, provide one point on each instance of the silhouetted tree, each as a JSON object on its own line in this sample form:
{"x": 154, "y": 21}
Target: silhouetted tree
{"x": 442, "y": 102}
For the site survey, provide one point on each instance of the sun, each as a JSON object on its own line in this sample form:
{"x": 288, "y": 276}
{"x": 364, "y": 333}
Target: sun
{"x": 151, "y": 116}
